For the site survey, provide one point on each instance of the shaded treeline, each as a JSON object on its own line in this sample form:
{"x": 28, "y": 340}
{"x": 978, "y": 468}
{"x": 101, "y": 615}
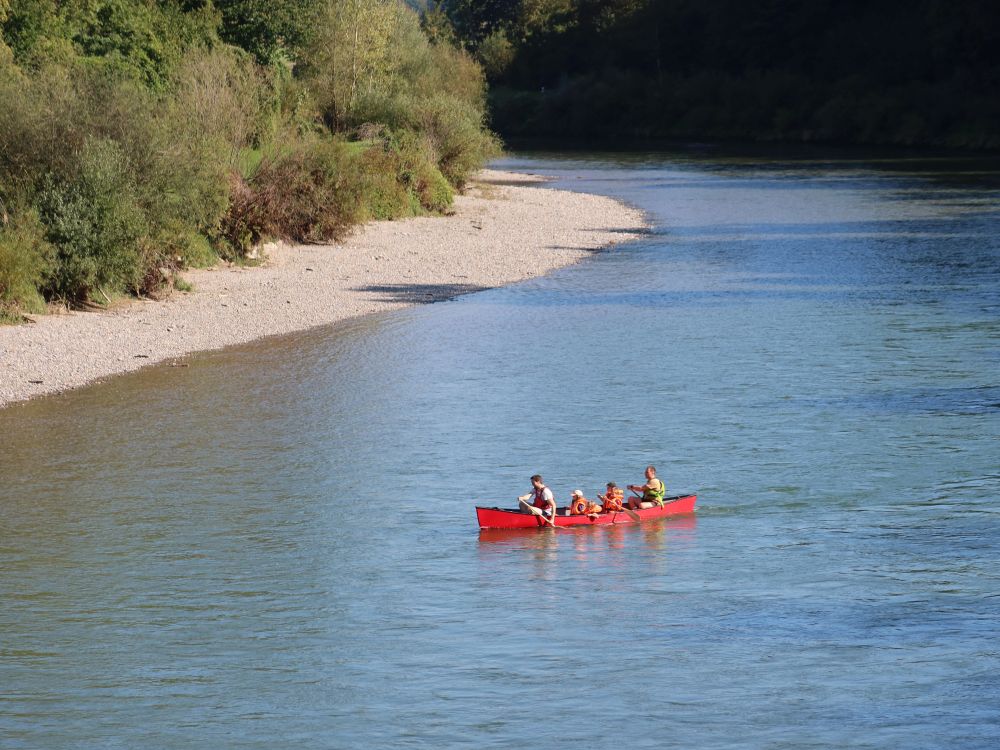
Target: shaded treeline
{"x": 851, "y": 71}
{"x": 138, "y": 137}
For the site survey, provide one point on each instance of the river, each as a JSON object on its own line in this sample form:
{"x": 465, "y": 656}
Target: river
{"x": 276, "y": 546}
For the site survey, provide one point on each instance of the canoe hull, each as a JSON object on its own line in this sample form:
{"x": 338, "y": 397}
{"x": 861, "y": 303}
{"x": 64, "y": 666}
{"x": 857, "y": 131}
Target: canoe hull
{"x": 504, "y": 518}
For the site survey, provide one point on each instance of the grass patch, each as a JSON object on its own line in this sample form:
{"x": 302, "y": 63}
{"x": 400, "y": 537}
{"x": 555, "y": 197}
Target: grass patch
{"x": 248, "y": 160}
{"x": 183, "y": 285}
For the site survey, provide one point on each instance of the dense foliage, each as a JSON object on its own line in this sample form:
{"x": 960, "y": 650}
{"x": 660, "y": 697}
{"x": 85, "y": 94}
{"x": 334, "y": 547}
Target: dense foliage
{"x": 141, "y": 136}
{"x": 861, "y": 71}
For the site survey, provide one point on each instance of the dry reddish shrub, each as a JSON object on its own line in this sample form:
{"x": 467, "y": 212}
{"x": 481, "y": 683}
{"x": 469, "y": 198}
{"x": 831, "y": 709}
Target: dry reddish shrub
{"x": 310, "y": 193}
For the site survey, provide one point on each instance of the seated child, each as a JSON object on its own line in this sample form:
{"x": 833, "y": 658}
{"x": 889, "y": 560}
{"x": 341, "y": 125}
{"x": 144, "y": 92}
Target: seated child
{"x": 613, "y": 498}
{"x": 581, "y": 506}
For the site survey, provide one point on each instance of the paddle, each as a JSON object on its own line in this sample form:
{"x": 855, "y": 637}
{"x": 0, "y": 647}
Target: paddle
{"x": 628, "y": 511}
{"x": 536, "y": 512}
{"x": 631, "y": 513}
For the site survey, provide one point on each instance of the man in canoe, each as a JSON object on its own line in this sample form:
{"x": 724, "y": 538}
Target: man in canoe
{"x": 541, "y": 497}
{"x": 652, "y": 492}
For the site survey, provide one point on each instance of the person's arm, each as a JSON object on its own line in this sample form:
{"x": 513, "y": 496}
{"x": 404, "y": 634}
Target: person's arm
{"x": 551, "y": 498}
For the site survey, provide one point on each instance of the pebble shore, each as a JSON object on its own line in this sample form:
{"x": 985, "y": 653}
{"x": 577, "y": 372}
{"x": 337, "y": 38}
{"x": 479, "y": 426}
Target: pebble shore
{"x": 506, "y": 227}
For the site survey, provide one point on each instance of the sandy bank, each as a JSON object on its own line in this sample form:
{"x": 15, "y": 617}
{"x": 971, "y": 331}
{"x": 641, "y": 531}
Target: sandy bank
{"x": 506, "y": 228}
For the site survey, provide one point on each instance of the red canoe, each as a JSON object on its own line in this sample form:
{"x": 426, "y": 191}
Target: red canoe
{"x": 501, "y": 518}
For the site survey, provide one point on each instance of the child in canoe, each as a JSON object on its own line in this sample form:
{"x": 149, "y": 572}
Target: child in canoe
{"x": 613, "y": 499}
{"x": 581, "y": 506}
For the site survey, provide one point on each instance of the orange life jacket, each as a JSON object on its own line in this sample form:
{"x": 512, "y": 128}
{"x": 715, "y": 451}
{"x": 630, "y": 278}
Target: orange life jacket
{"x": 613, "y": 501}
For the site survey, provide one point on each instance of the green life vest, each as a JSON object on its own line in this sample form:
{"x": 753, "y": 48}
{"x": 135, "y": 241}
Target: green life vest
{"x": 655, "y": 496}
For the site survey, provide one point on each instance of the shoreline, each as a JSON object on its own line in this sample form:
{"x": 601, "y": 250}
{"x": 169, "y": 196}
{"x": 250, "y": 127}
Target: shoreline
{"x": 506, "y": 228}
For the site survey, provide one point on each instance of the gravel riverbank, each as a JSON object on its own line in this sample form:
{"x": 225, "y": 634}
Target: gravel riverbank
{"x": 507, "y": 227}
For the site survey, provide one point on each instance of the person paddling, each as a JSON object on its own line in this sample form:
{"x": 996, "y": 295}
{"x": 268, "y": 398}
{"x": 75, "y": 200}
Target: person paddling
{"x": 542, "y": 498}
{"x": 613, "y": 499}
{"x": 652, "y": 492}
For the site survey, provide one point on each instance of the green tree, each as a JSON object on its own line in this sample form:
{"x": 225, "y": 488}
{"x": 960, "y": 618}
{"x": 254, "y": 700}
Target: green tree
{"x": 437, "y": 25}
{"x": 269, "y": 28}
{"x": 477, "y": 19}
{"x": 353, "y": 57}
{"x": 140, "y": 39}
{"x": 854, "y": 70}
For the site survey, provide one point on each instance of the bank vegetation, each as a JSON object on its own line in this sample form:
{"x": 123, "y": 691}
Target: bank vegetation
{"x": 140, "y": 137}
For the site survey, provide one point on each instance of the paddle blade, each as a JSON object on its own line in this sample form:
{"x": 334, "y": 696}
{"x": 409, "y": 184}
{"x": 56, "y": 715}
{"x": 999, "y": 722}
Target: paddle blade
{"x": 631, "y": 514}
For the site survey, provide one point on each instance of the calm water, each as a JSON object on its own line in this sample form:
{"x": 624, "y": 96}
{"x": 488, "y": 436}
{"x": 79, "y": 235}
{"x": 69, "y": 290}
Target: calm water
{"x": 276, "y": 547}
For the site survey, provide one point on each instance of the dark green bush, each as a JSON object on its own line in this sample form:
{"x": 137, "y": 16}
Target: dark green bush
{"x": 458, "y": 137}
{"x": 384, "y": 190}
{"x": 193, "y": 250}
{"x": 419, "y": 172}
{"x": 97, "y": 225}
{"x": 134, "y": 39}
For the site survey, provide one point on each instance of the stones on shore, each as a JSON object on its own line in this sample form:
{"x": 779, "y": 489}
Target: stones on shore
{"x": 526, "y": 235}
{"x": 262, "y": 251}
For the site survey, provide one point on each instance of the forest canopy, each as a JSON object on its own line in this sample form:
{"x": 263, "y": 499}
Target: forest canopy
{"x": 852, "y": 71}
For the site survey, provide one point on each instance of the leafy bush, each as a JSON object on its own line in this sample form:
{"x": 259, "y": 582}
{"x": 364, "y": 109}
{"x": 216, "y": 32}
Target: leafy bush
{"x": 266, "y": 28}
{"x": 133, "y": 39}
{"x": 457, "y": 136}
{"x": 25, "y": 260}
{"x": 63, "y": 121}
{"x": 137, "y": 140}
{"x": 193, "y": 250}
{"x": 400, "y": 177}
{"x": 42, "y": 124}
{"x": 220, "y": 108}
{"x": 420, "y": 173}
{"x": 6, "y": 55}
{"x": 384, "y": 190}
{"x": 307, "y": 193}
{"x": 97, "y": 226}
{"x": 496, "y": 53}
{"x": 245, "y": 222}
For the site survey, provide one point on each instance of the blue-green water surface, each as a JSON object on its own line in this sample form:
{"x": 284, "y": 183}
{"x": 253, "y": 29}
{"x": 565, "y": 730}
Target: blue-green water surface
{"x": 276, "y": 547}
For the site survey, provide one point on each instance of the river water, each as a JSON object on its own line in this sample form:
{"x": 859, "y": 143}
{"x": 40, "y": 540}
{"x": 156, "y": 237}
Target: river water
{"x": 276, "y": 546}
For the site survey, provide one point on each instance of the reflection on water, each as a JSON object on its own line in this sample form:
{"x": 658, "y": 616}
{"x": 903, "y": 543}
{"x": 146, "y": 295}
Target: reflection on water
{"x": 598, "y": 547}
{"x": 277, "y": 544}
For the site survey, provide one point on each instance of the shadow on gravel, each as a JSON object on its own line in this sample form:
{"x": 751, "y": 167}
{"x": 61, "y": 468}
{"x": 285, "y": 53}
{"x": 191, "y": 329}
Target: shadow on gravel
{"x": 419, "y": 293}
